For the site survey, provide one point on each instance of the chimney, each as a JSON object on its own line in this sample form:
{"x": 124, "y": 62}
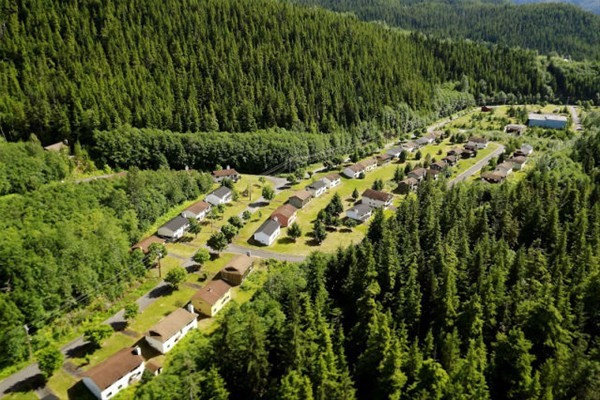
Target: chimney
{"x": 137, "y": 350}
{"x": 190, "y": 308}
{"x": 227, "y": 167}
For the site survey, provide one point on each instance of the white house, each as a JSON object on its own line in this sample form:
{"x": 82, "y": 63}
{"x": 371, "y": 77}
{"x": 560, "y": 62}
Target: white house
{"x": 418, "y": 173}
{"x": 409, "y": 146}
{"x": 317, "y": 188}
{"x": 228, "y": 173}
{"x": 478, "y": 142}
{"x": 518, "y": 162}
{"x": 221, "y": 195}
{"x": 212, "y": 297}
{"x": 166, "y": 333}
{"x": 197, "y": 211}
{"x": 175, "y": 228}
{"x": 376, "y": 199}
{"x": 550, "y": 121}
{"x": 268, "y": 232}
{"x": 506, "y": 167}
{"x": 332, "y": 180}
{"x": 354, "y": 171}
{"x": 114, "y": 374}
{"x": 425, "y": 140}
{"x": 525, "y": 150}
{"x": 395, "y": 151}
{"x": 360, "y": 212}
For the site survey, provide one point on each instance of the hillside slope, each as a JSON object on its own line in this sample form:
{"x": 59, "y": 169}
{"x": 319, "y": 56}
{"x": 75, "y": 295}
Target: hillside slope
{"x": 589, "y": 5}
{"x": 188, "y": 65}
{"x": 547, "y": 28}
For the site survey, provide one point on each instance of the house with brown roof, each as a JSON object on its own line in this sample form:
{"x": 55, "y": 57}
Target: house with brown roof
{"x": 354, "y": 171}
{"x": 286, "y": 214}
{"x": 300, "y": 198}
{"x": 58, "y": 147}
{"x": 455, "y": 151}
{"x": 376, "y": 198}
{"x": 518, "y": 162}
{"x": 144, "y": 244}
{"x": 433, "y": 174}
{"x": 506, "y": 167}
{"x": 517, "y": 129}
{"x": 451, "y": 160}
{"x": 197, "y": 210}
{"x": 212, "y": 297}
{"x": 383, "y": 159}
{"x": 237, "y": 269}
{"x": 115, "y": 373}
{"x": 332, "y": 180}
{"x": 493, "y": 177}
{"x": 228, "y": 173}
{"x": 167, "y": 332}
{"x": 468, "y": 153}
{"x": 439, "y": 165}
{"x": 418, "y": 174}
{"x": 408, "y": 185}
{"x": 370, "y": 164}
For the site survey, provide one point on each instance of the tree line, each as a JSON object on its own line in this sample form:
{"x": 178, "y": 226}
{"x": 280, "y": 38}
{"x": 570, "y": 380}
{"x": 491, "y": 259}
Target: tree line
{"x": 469, "y": 292}
{"x": 62, "y": 242}
{"x": 70, "y": 68}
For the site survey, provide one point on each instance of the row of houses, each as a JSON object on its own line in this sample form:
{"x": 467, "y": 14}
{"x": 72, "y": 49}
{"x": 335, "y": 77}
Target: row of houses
{"x": 371, "y": 199}
{"x": 412, "y": 146}
{"x": 126, "y": 367}
{"x": 285, "y": 215}
{"x": 515, "y": 163}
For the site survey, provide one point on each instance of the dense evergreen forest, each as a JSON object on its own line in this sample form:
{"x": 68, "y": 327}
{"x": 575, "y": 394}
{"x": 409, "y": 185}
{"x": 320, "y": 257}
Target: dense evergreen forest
{"x": 70, "y": 67}
{"x": 561, "y": 28}
{"x": 472, "y": 292}
{"x": 590, "y": 5}
{"x": 66, "y": 245}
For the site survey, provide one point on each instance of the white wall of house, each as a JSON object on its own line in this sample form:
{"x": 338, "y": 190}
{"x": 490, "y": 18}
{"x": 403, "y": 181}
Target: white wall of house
{"x": 332, "y": 183}
{"x": 265, "y": 239}
{"x": 354, "y": 215}
{"x": 317, "y": 192}
{"x": 375, "y": 203}
{"x": 164, "y": 347}
{"x": 215, "y": 200}
{"x": 200, "y": 216}
{"x": 116, "y": 387}
{"x": 370, "y": 168}
{"x": 166, "y": 232}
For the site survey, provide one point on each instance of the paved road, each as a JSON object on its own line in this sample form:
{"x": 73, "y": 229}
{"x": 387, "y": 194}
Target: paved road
{"x": 237, "y": 249}
{"x": 30, "y": 375}
{"x": 480, "y": 164}
{"x": 107, "y": 176}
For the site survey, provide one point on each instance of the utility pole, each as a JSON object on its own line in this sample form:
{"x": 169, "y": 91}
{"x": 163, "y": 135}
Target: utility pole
{"x": 28, "y": 341}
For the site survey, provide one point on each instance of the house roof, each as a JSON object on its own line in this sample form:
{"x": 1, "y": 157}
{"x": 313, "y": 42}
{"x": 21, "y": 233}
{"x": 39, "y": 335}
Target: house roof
{"x": 383, "y": 157}
{"x": 409, "y": 181}
{"x": 171, "y": 324}
{"x": 518, "y": 160}
{"x": 358, "y": 167}
{"x": 527, "y": 148}
{"x": 198, "y": 207}
{"x": 547, "y": 117}
{"x": 269, "y": 227}
{"x": 395, "y": 150}
{"x": 449, "y": 159}
{"x": 225, "y": 172}
{"x": 56, "y": 146}
{"x": 318, "y": 185}
{"x": 221, "y": 192}
{"x": 144, "y": 244}
{"x": 286, "y": 210}
{"x": 493, "y": 176}
{"x": 176, "y": 223}
{"x": 470, "y": 147}
{"x": 420, "y": 172}
{"x": 377, "y": 195}
{"x": 423, "y": 140}
{"x": 153, "y": 365}
{"x": 239, "y": 264}
{"x": 332, "y": 177}
{"x": 212, "y": 291}
{"x": 515, "y": 127}
{"x": 433, "y": 172}
{"x": 114, "y": 368}
{"x": 409, "y": 144}
{"x": 302, "y": 195}
{"x": 369, "y": 161}
{"x": 442, "y": 164}
{"x": 505, "y": 165}
{"x": 361, "y": 209}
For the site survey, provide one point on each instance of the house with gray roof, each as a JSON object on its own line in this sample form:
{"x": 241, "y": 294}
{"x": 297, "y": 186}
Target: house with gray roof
{"x": 175, "y": 228}
{"x": 268, "y": 232}
{"x": 218, "y": 196}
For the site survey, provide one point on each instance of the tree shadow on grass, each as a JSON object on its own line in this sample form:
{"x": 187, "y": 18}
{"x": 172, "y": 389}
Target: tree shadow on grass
{"x": 160, "y": 291}
{"x": 81, "y": 351}
{"x": 79, "y": 392}
{"x": 118, "y": 326}
{"x": 285, "y": 240}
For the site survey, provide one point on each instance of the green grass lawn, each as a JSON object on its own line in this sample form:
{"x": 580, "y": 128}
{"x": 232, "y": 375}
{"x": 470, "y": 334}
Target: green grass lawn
{"x": 20, "y": 396}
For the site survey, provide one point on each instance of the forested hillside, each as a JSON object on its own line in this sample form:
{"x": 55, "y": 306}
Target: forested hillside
{"x": 547, "y": 28}
{"x": 67, "y": 245}
{"x": 590, "y": 5}
{"x": 473, "y": 292}
{"x": 71, "y": 67}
